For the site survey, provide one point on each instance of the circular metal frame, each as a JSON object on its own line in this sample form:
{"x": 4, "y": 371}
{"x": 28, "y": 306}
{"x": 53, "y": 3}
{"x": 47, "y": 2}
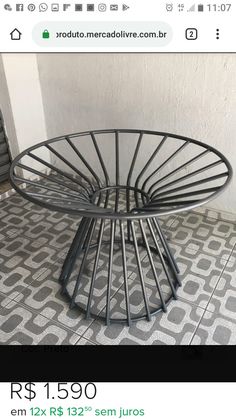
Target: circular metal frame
{"x": 148, "y": 195}
{"x": 79, "y": 200}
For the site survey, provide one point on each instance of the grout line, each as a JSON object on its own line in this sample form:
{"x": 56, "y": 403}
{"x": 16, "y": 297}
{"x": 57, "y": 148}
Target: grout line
{"x": 19, "y": 292}
{"x": 234, "y": 248}
{"x": 192, "y": 303}
{"x": 174, "y": 242}
{"x": 206, "y": 310}
{"x": 28, "y": 285}
{"x": 195, "y": 331}
{"x": 34, "y": 311}
{"x": 219, "y": 212}
{"x": 48, "y": 245}
{"x": 82, "y": 336}
{"x": 181, "y": 299}
{"x": 219, "y": 278}
{"x": 203, "y": 252}
{"x": 97, "y": 318}
{"x": 184, "y": 300}
{"x": 5, "y": 296}
{"x": 31, "y": 309}
{"x": 88, "y": 340}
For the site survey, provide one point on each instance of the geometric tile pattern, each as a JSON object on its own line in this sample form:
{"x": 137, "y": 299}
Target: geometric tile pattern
{"x": 176, "y": 327}
{"x": 215, "y": 330}
{"x": 33, "y": 243}
{"x": 204, "y": 234}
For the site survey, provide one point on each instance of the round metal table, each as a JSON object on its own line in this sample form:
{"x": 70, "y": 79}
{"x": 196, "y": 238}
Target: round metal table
{"x": 119, "y": 182}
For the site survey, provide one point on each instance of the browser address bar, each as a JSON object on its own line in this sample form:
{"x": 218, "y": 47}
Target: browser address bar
{"x": 102, "y": 34}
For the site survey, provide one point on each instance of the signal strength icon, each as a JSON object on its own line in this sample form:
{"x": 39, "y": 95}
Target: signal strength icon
{"x": 192, "y": 8}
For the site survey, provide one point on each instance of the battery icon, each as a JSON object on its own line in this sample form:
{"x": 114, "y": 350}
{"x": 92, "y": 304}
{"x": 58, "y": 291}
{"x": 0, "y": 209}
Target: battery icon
{"x": 200, "y": 8}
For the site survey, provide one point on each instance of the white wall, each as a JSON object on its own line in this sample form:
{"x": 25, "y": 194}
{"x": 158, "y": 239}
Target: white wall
{"x": 189, "y": 94}
{"x": 5, "y": 106}
{"x": 21, "y": 81}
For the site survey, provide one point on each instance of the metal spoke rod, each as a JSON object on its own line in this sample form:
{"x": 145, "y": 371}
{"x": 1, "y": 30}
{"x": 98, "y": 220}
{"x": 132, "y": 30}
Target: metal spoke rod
{"x": 119, "y": 190}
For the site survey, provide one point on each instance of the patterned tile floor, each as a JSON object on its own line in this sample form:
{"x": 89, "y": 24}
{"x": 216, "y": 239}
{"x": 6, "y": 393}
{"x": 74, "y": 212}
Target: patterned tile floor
{"x": 33, "y": 243}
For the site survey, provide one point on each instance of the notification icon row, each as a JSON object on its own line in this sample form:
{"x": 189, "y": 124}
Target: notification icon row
{"x": 57, "y": 7}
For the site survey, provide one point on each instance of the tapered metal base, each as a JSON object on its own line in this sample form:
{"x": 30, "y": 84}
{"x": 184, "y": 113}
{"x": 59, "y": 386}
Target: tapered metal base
{"x": 145, "y": 239}
{"x": 120, "y": 181}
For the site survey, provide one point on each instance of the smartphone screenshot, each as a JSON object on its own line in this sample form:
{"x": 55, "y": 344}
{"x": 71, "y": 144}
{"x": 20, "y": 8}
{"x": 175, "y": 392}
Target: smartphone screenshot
{"x": 117, "y": 197}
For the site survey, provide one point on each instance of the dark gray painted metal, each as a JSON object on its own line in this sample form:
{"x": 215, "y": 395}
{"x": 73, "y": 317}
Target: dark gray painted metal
{"x": 148, "y": 209}
{"x": 83, "y": 196}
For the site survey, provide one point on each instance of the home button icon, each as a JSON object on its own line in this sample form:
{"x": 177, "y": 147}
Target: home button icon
{"x": 15, "y": 35}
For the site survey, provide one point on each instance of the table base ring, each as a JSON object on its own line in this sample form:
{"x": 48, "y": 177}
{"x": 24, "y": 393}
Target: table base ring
{"x": 118, "y": 320}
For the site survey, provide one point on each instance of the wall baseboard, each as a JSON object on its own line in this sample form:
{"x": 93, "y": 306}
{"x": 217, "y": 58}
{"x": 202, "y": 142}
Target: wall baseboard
{"x": 218, "y": 215}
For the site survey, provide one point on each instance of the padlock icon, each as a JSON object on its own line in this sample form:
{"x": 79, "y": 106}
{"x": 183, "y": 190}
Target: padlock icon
{"x": 45, "y": 34}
